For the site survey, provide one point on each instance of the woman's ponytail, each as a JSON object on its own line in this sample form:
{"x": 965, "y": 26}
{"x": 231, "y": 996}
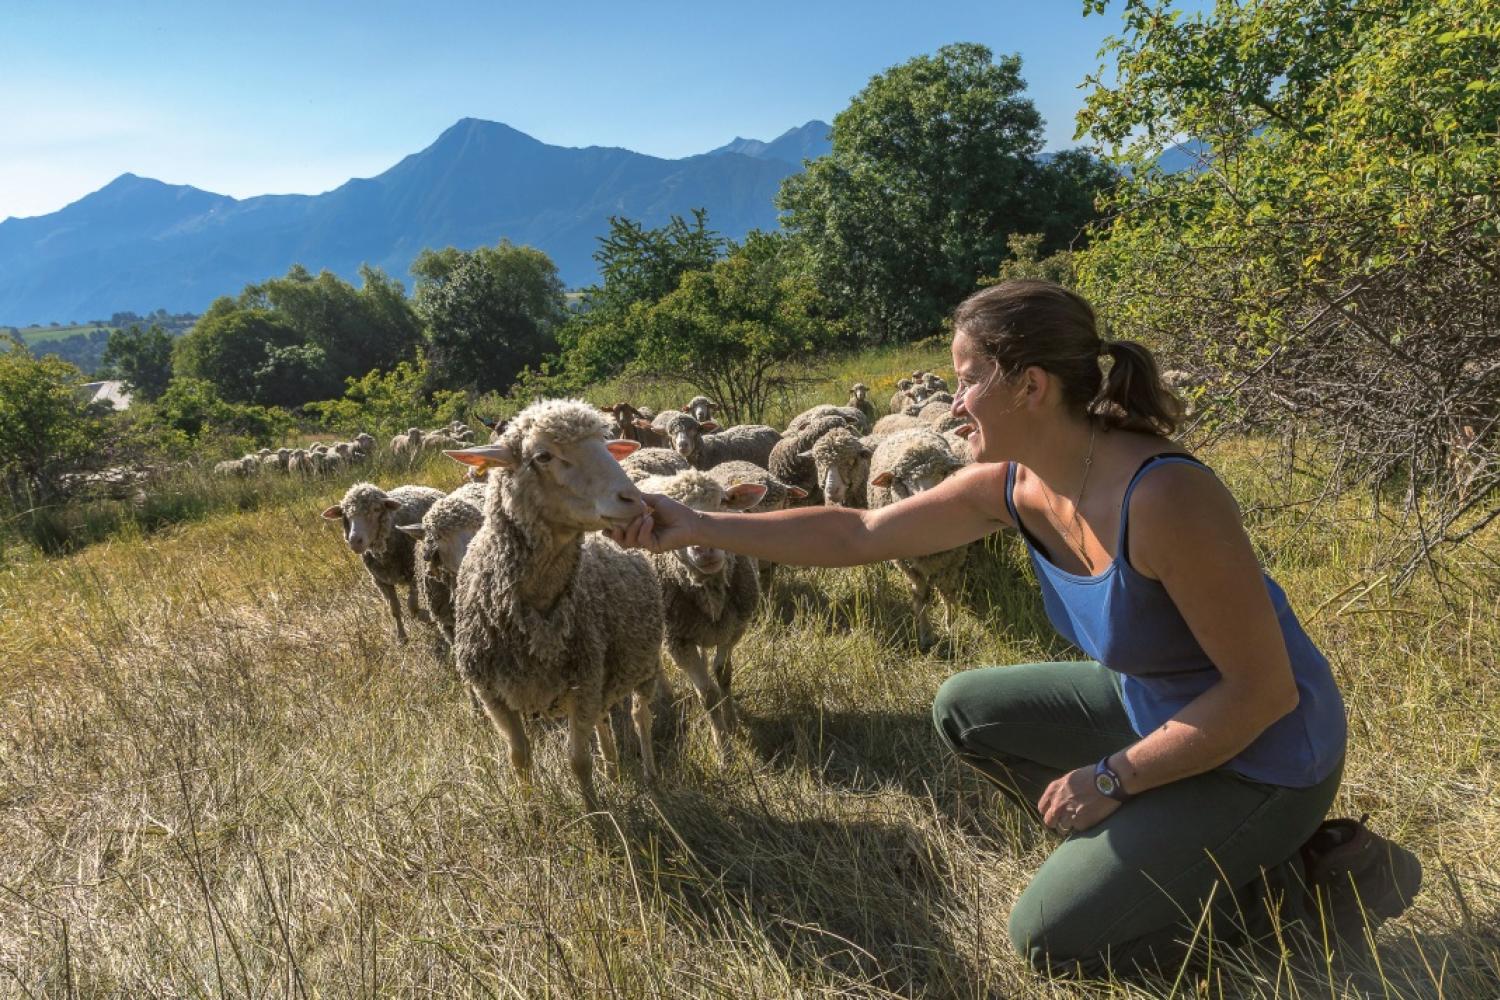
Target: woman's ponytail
{"x": 1132, "y": 396}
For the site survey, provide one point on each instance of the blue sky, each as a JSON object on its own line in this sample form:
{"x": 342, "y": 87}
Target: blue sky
{"x": 275, "y": 97}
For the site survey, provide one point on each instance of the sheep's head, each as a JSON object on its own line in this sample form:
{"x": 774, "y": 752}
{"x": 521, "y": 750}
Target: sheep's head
{"x": 445, "y": 533}
{"x": 561, "y": 469}
{"x": 702, "y": 408}
{"x": 843, "y": 464}
{"x": 703, "y": 492}
{"x": 685, "y": 433}
{"x": 913, "y": 462}
{"x": 367, "y": 515}
{"x": 857, "y": 392}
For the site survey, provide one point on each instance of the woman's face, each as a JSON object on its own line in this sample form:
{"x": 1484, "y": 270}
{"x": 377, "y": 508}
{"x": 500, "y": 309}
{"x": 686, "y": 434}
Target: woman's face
{"x": 986, "y": 398}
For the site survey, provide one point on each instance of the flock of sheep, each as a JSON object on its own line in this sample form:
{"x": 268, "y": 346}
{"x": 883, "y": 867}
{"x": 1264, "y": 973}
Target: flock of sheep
{"x": 545, "y": 616}
{"x": 325, "y": 457}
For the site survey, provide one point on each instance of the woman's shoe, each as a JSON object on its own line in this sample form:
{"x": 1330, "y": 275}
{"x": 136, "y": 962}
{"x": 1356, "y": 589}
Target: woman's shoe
{"x": 1359, "y": 879}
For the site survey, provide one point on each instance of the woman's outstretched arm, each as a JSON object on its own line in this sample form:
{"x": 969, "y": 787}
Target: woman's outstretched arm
{"x": 966, "y": 506}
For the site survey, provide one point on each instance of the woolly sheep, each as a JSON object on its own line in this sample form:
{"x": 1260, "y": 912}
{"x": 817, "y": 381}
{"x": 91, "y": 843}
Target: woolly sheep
{"x": 859, "y": 399}
{"x": 903, "y": 465}
{"x": 778, "y": 496}
{"x": 708, "y": 595}
{"x": 633, "y": 425}
{"x": 899, "y": 398}
{"x": 408, "y": 444}
{"x": 791, "y": 459}
{"x": 893, "y": 422}
{"x": 704, "y": 450}
{"x": 842, "y": 462}
{"x": 370, "y": 517}
{"x": 298, "y": 463}
{"x": 934, "y": 382}
{"x": 702, "y": 408}
{"x": 550, "y": 620}
{"x": 851, "y": 414}
{"x": 442, "y": 538}
{"x": 653, "y": 462}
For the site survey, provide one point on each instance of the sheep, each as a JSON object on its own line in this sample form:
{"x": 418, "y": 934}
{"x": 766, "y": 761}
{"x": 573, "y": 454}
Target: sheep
{"x": 408, "y": 444}
{"x": 234, "y": 467}
{"x": 653, "y": 462}
{"x": 663, "y": 419}
{"x": 778, "y": 496}
{"x": 791, "y": 461}
{"x": 364, "y": 442}
{"x": 370, "y": 516}
{"x": 548, "y": 619}
{"x": 842, "y": 462}
{"x": 704, "y": 450}
{"x": 708, "y": 595}
{"x": 702, "y": 408}
{"x": 934, "y": 382}
{"x": 893, "y": 422}
{"x": 899, "y": 398}
{"x": 903, "y": 465}
{"x": 859, "y": 399}
{"x": 851, "y": 414}
{"x": 442, "y": 538}
{"x": 299, "y": 463}
{"x": 634, "y": 425}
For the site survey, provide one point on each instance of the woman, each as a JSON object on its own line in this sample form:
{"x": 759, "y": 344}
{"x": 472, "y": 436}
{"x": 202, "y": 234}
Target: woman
{"x": 1202, "y": 744}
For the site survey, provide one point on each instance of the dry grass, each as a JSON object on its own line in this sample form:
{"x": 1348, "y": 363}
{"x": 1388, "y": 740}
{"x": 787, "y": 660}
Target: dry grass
{"x": 219, "y": 774}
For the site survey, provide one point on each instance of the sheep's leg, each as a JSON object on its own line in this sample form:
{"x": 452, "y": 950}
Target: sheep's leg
{"x": 606, "y": 733}
{"x": 508, "y": 721}
{"x": 581, "y": 757}
{"x": 724, "y": 673}
{"x": 388, "y": 591}
{"x": 640, "y": 714}
{"x": 416, "y": 609}
{"x": 690, "y": 660}
{"x": 921, "y": 596}
{"x": 767, "y": 573}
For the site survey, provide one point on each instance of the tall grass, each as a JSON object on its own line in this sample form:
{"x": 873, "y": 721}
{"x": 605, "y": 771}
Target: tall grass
{"x": 221, "y": 775}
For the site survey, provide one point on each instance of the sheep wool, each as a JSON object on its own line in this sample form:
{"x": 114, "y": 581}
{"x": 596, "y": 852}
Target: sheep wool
{"x": 389, "y": 556}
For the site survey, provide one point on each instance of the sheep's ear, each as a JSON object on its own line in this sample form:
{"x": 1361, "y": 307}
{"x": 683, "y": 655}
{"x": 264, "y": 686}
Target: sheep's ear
{"x": 621, "y": 447}
{"x": 865, "y": 453}
{"x": 390, "y": 504}
{"x": 414, "y": 530}
{"x": 485, "y": 457}
{"x": 806, "y": 456}
{"x": 796, "y": 493}
{"x": 642, "y": 423}
{"x": 743, "y": 496}
{"x": 708, "y": 427}
{"x": 334, "y": 513}
{"x": 883, "y": 480}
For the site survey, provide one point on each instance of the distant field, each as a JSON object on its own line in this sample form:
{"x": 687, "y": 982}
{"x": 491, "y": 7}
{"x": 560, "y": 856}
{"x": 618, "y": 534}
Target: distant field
{"x": 31, "y": 336}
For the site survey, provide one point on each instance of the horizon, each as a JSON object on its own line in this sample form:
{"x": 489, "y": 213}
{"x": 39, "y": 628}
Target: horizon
{"x": 155, "y": 91}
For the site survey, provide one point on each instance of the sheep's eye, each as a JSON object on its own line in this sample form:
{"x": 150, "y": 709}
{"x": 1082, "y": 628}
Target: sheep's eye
{"x": 542, "y": 457}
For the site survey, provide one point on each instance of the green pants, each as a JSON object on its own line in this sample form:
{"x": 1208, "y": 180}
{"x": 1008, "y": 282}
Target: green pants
{"x": 1216, "y": 852}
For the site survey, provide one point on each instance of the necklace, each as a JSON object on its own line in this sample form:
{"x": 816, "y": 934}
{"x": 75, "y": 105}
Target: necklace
{"x": 1088, "y": 463}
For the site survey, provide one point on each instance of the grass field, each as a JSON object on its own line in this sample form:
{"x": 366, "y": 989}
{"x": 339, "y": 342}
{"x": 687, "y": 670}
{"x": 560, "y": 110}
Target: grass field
{"x": 32, "y": 336}
{"x": 221, "y": 775}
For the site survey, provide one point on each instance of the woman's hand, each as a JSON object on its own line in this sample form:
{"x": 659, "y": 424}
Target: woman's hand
{"x": 666, "y": 525}
{"x": 1072, "y": 804}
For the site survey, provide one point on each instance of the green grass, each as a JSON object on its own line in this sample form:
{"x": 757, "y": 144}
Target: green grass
{"x": 31, "y": 336}
{"x": 220, "y": 774}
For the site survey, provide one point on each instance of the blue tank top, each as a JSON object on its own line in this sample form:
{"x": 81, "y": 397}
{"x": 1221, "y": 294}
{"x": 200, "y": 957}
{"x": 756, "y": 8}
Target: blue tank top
{"x": 1128, "y": 623}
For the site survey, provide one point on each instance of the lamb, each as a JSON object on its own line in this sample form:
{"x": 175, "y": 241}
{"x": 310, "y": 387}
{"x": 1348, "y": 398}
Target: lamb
{"x": 407, "y": 445}
{"x": 903, "y": 465}
{"x": 442, "y": 537}
{"x": 704, "y": 450}
{"x": 708, "y": 595}
{"x": 778, "y": 496}
{"x": 549, "y": 620}
{"x": 653, "y": 462}
{"x": 233, "y": 467}
{"x": 370, "y": 517}
{"x": 859, "y": 399}
{"x": 702, "y": 408}
{"x": 791, "y": 459}
{"x": 842, "y": 462}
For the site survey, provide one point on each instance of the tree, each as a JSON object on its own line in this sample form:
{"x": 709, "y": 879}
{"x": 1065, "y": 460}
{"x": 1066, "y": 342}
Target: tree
{"x": 933, "y": 167}
{"x": 1334, "y": 258}
{"x": 46, "y": 429}
{"x": 194, "y": 407}
{"x": 732, "y": 330}
{"x": 230, "y": 347}
{"x": 489, "y": 313}
{"x": 141, "y": 358}
{"x": 386, "y": 403}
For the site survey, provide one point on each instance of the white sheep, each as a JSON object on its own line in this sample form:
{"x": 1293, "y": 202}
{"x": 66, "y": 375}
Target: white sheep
{"x": 653, "y": 462}
{"x": 408, "y": 444}
{"x": 904, "y": 465}
{"x": 708, "y": 595}
{"x": 442, "y": 537}
{"x": 852, "y": 416}
{"x": 702, "y": 408}
{"x": 899, "y": 398}
{"x": 842, "y": 464}
{"x": 370, "y": 517}
{"x": 778, "y": 496}
{"x": 791, "y": 459}
{"x": 553, "y": 619}
{"x": 705, "y": 449}
{"x": 893, "y": 422}
{"x": 859, "y": 399}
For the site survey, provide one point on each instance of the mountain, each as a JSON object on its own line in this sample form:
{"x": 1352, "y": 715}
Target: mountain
{"x": 806, "y": 142}
{"x": 141, "y": 244}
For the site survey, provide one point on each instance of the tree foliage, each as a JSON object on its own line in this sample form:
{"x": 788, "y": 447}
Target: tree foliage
{"x": 140, "y": 358}
{"x": 934, "y": 165}
{"x": 386, "y": 403}
{"x": 489, "y": 313}
{"x": 46, "y": 428}
{"x": 1334, "y": 259}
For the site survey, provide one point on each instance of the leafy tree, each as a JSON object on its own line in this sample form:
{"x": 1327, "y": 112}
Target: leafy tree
{"x": 1335, "y": 260}
{"x": 141, "y": 358}
{"x": 230, "y": 346}
{"x": 386, "y": 403}
{"x": 46, "y": 430}
{"x": 733, "y": 329}
{"x": 933, "y": 167}
{"x": 489, "y": 313}
{"x": 193, "y": 407}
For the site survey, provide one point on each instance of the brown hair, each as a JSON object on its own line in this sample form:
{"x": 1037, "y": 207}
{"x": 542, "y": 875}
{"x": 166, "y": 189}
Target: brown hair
{"x": 1029, "y": 322}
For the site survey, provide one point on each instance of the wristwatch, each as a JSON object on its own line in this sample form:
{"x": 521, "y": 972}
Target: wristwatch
{"x": 1108, "y": 782}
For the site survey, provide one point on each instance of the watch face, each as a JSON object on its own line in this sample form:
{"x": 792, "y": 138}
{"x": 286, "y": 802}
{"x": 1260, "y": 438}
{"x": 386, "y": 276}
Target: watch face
{"x": 1106, "y": 785}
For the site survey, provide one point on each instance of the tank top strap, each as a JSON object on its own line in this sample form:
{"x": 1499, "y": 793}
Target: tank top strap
{"x": 1165, "y": 458}
{"x": 1010, "y": 505}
